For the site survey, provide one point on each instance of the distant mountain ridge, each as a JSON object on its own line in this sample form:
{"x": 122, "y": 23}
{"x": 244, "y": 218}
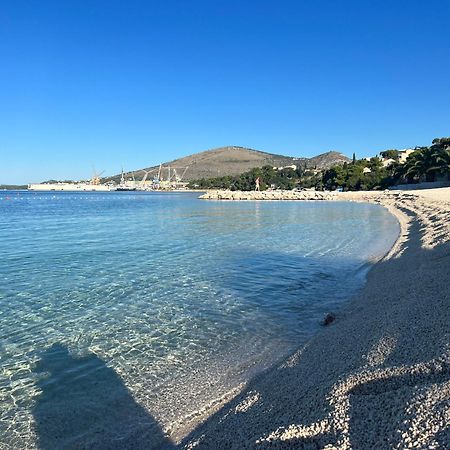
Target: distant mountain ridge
{"x": 234, "y": 160}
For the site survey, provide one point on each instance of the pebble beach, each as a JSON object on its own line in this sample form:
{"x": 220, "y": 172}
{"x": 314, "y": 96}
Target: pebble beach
{"x": 379, "y": 375}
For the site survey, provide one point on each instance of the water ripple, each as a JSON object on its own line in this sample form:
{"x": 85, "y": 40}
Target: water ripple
{"x": 182, "y": 299}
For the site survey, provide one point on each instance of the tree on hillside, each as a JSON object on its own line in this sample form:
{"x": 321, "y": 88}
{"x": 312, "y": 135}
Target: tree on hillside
{"x": 440, "y": 157}
{"x": 444, "y": 141}
{"x": 354, "y": 177}
{"x": 426, "y": 163}
{"x": 417, "y": 165}
{"x": 390, "y": 154}
{"x": 334, "y": 177}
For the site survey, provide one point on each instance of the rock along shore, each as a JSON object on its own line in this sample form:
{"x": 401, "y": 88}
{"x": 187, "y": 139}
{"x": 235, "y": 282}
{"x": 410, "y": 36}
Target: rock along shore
{"x": 268, "y": 195}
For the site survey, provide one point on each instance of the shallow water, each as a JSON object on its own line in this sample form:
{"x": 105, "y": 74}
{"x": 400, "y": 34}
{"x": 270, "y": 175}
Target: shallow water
{"x": 152, "y": 304}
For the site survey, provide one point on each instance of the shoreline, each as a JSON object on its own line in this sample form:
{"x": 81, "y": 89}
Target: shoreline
{"x": 380, "y": 359}
{"x": 178, "y": 430}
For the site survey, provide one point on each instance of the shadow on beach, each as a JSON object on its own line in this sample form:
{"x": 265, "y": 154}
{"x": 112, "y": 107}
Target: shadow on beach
{"x": 357, "y": 384}
{"x": 84, "y": 404}
{"x": 362, "y": 381}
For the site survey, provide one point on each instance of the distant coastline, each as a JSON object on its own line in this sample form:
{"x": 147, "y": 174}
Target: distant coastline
{"x": 13, "y": 187}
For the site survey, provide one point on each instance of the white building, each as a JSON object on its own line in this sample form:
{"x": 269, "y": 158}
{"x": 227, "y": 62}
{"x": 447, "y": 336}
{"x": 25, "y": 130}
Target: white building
{"x": 388, "y": 162}
{"x": 401, "y": 159}
{"x": 403, "y": 155}
{"x": 293, "y": 167}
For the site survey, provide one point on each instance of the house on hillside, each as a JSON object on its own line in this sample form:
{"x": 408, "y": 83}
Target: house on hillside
{"x": 387, "y": 162}
{"x": 293, "y": 167}
{"x": 403, "y": 155}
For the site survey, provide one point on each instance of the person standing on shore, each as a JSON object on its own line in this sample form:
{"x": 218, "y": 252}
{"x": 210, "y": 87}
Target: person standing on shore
{"x": 257, "y": 184}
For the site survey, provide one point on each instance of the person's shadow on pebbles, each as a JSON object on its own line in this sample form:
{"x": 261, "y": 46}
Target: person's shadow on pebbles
{"x": 83, "y": 404}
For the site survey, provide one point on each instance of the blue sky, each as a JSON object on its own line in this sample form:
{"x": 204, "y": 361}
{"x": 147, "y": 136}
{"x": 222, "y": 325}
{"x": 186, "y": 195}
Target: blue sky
{"x": 111, "y": 83}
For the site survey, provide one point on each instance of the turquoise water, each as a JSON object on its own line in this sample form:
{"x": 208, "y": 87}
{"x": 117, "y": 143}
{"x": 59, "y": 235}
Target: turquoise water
{"x": 153, "y": 304}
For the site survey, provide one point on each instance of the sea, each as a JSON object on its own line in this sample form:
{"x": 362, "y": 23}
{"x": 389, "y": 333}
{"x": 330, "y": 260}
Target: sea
{"x": 124, "y": 316}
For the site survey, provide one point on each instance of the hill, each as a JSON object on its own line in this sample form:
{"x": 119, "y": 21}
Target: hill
{"x": 233, "y": 161}
{"x": 326, "y": 160}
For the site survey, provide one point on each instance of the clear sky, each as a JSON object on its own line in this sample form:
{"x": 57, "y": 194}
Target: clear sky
{"x": 134, "y": 83}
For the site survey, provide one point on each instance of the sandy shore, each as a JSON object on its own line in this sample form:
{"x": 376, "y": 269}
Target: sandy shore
{"x": 379, "y": 375}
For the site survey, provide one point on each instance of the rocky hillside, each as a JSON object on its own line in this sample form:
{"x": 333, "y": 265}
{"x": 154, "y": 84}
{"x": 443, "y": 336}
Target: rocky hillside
{"x": 326, "y": 160}
{"x": 233, "y": 161}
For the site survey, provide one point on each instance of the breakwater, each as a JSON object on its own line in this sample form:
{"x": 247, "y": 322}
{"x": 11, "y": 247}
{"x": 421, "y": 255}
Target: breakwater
{"x": 268, "y": 195}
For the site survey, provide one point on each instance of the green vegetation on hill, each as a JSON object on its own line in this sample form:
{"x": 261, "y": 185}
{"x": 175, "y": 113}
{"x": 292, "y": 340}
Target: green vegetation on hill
{"x": 428, "y": 163}
{"x": 424, "y": 164}
{"x": 287, "y": 178}
{"x": 390, "y": 154}
{"x": 13, "y": 187}
{"x": 359, "y": 175}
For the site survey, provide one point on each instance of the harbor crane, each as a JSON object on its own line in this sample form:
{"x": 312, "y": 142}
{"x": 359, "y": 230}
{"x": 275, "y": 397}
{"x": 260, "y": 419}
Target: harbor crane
{"x": 174, "y": 176}
{"x": 95, "y": 180}
{"x": 144, "y": 178}
{"x": 172, "y": 173}
{"x": 159, "y": 172}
